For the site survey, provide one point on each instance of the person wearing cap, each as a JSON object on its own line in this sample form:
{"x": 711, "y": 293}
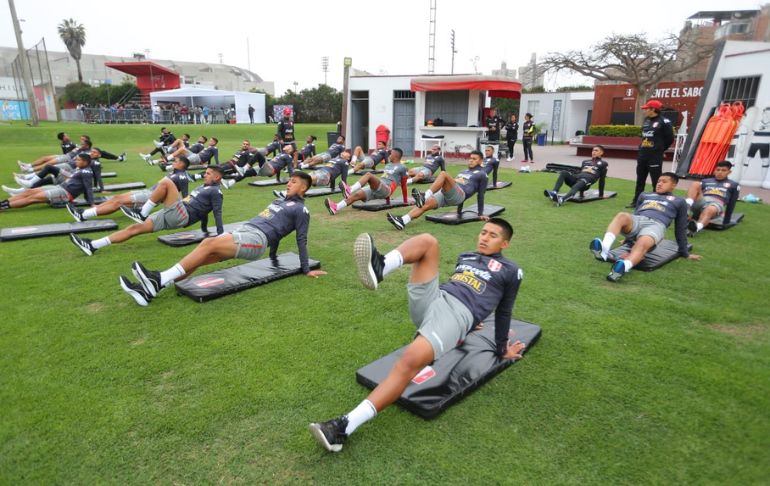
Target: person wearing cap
{"x": 493, "y": 123}
{"x": 657, "y": 136}
{"x": 286, "y": 129}
{"x": 176, "y": 212}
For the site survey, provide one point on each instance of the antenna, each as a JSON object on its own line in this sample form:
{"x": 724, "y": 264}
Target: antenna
{"x": 432, "y": 38}
{"x": 454, "y": 51}
{"x": 325, "y": 66}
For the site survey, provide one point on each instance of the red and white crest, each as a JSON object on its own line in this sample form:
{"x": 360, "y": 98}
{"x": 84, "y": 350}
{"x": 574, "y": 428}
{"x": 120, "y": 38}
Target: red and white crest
{"x": 210, "y": 282}
{"x": 424, "y": 375}
{"x": 494, "y": 265}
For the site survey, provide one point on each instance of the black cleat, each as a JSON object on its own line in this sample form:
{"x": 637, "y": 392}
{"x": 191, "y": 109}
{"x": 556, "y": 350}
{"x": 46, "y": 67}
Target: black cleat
{"x": 631, "y": 205}
{"x": 331, "y": 435}
{"x": 396, "y": 221}
{"x": 149, "y": 279}
{"x": 419, "y": 197}
{"x": 133, "y": 214}
{"x": 84, "y": 244}
{"x": 279, "y": 194}
{"x": 75, "y": 212}
{"x": 368, "y": 261}
{"x": 692, "y": 228}
{"x": 136, "y": 291}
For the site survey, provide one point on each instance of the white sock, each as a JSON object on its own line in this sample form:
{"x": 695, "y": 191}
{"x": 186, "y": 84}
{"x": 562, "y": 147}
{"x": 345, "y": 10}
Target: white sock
{"x": 34, "y": 178}
{"x": 406, "y": 219}
{"x": 428, "y": 194}
{"x": 628, "y": 265}
{"x": 607, "y": 242}
{"x": 689, "y": 201}
{"x": 101, "y": 242}
{"x": 173, "y": 273}
{"x": 355, "y": 187}
{"x": 363, "y": 413}
{"x": 147, "y": 208}
{"x": 409, "y": 181}
{"x": 393, "y": 260}
{"x": 341, "y": 204}
{"x": 699, "y": 225}
{"x": 89, "y": 213}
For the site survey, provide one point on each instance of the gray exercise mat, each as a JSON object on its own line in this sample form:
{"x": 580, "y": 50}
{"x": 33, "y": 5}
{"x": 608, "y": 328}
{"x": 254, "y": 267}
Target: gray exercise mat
{"x": 41, "y": 230}
{"x": 469, "y": 214}
{"x": 664, "y": 252}
{"x": 189, "y": 237}
{"x": 719, "y": 223}
{"x": 591, "y": 195}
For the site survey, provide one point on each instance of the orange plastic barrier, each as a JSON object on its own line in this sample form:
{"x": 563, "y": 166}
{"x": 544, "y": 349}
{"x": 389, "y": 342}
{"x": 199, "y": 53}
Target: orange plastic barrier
{"x": 716, "y": 138}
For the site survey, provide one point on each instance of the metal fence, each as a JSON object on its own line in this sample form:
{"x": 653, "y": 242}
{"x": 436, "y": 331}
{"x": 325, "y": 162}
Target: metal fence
{"x": 135, "y": 115}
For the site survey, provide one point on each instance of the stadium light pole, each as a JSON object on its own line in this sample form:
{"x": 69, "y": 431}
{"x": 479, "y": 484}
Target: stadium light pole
{"x": 26, "y": 70}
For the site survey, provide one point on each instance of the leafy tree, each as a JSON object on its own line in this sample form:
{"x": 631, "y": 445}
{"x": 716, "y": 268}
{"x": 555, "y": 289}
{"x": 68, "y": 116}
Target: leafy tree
{"x": 633, "y": 59}
{"x": 74, "y": 37}
{"x": 317, "y": 105}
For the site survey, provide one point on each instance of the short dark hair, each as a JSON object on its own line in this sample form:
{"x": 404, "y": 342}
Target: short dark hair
{"x": 314, "y": 137}
{"x": 214, "y": 139}
{"x": 88, "y": 143}
{"x": 477, "y": 152}
{"x": 206, "y": 139}
{"x": 217, "y": 168}
{"x": 304, "y": 176}
{"x": 185, "y": 161}
{"x": 186, "y": 135}
{"x": 343, "y": 136}
{"x": 725, "y": 163}
{"x": 398, "y": 151}
{"x": 529, "y": 115}
{"x": 671, "y": 175}
{"x": 60, "y": 135}
{"x": 505, "y": 225}
{"x": 85, "y": 156}
{"x": 599, "y": 146}
{"x": 86, "y": 137}
{"x": 162, "y": 128}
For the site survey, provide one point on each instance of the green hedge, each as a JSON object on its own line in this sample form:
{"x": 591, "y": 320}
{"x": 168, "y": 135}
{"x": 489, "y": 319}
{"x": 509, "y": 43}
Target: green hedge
{"x": 615, "y": 130}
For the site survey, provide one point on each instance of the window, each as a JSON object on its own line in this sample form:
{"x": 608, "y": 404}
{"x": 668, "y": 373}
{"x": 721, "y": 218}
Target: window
{"x": 740, "y": 89}
{"x": 401, "y": 94}
{"x": 533, "y": 106}
{"x": 450, "y": 106}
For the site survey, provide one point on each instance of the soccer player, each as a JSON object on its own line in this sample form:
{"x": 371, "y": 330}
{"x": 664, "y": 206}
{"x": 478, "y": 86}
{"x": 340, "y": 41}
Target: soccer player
{"x": 176, "y": 212}
{"x": 483, "y": 282}
{"x": 308, "y": 151}
{"x": 286, "y": 129}
{"x": 81, "y": 182}
{"x": 270, "y": 168}
{"x": 446, "y": 191}
{"x": 247, "y": 242}
{"x": 371, "y": 161}
{"x": 203, "y": 156}
{"x": 590, "y": 171}
{"x": 378, "y": 187}
{"x": 655, "y": 211}
{"x": 162, "y": 144}
{"x": 490, "y": 163}
{"x": 325, "y": 174}
{"x": 712, "y": 197}
{"x": 433, "y": 162}
{"x": 333, "y": 151}
{"x": 67, "y": 158}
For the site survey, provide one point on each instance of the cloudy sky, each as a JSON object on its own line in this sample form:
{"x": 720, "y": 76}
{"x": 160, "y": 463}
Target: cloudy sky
{"x": 284, "y": 41}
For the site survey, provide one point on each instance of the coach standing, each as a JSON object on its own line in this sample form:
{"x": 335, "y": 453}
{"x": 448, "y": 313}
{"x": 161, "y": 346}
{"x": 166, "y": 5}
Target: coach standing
{"x": 657, "y": 136}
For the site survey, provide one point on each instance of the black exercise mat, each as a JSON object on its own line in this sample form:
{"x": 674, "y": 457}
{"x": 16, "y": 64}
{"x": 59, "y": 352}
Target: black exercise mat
{"x": 664, "y": 252}
{"x": 455, "y": 374}
{"x": 39, "y": 231}
{"x": 380, "y": 204}
{"x": 80, "y": 202}
{"x": 500, "y": 185}
{"x": 184, "y": 238}
{"x": 269, "y": 182}
{"x": 231, "y": 280}
{"x": 561, "y": 167}
{"x": 427, "y": 180}
{"x": 469, "y": 214}
{"x": 322, "y": 191}
{"x": 106, "y": 175}
{"x": 123, "y": 186}
{"x": 367, "y": 171}
{"x": 591, "y": 195}
{"x": 719, "y": 223}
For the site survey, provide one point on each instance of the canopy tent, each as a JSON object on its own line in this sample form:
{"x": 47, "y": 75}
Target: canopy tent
{"x": 215, "y": 98}
{"x": 497, "y": 86}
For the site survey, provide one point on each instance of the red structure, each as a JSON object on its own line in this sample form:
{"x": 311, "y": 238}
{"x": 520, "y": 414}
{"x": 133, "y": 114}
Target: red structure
{"x": 149, "y": 76}
{"x": 497, "y": 86}
{"x": 614, "y": 103}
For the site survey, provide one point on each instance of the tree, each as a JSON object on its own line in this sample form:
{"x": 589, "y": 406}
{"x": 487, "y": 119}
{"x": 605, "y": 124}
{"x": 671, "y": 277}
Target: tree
{"x": 635, "y": 60}
{"x": 74, "y": 37}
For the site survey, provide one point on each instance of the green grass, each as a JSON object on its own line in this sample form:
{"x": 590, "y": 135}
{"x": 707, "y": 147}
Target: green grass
{"x": 660, "y": 379}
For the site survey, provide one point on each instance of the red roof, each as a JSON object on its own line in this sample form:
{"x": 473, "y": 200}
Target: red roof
{"x": 498, "y": 86}
{"x": 138, "y": 68}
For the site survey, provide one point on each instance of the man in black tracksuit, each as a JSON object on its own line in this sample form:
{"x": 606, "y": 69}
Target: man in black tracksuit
{"x": 657, "y": 136}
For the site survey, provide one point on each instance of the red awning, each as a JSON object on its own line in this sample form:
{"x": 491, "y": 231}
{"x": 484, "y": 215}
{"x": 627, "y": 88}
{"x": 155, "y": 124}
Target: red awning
{"x": 497, "y": 86}
{"x": 138, "y": 68}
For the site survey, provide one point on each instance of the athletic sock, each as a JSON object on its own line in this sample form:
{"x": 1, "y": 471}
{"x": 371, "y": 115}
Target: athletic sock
{"x": 628, "y": 265}
{"x": 364, "y": 412}
{"x": 34, "y": 179}
{"x": 428, "y": 194}
{"x": 406, "y": 219}
{"x": 689, "y": 201}
{"x": 101, "y": 242}
{"x": 699, "y": 226}
{"x": 341, "y": 204}
{"x": 89, "y": 213}
{"x": 173, "y": 273}
{"x": 147, "y": 208}
{"x": 409, "y": 181}
{"x": 393, "y": 260}
{"x": 607, "y": 242}
{"x": 355, "y": 187}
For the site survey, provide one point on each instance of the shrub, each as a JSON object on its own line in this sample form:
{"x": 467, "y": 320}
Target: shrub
{"x": 615, "y": 130}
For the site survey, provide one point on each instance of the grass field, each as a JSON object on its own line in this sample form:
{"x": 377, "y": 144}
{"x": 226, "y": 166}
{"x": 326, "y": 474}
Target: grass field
{"x": 663, "y": 378}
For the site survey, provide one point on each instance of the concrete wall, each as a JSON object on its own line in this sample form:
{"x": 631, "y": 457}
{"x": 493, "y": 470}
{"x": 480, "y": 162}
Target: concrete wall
{"x": 574, "y": 110}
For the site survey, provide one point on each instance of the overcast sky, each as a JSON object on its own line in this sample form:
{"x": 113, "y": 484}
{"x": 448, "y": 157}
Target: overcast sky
{"x": 287, "y": 39}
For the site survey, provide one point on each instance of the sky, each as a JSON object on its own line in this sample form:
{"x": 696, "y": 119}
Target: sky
{"x": 285, "y": 41}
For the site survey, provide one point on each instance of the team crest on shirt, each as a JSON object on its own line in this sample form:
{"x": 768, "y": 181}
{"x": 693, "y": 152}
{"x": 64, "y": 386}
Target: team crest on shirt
{"x": 290, "y": 204}
{"x": 670, "y": 198}
{"x": 494, "y": 265}
{"x": 727, "y": 185}
{"x": 655, "y": 125}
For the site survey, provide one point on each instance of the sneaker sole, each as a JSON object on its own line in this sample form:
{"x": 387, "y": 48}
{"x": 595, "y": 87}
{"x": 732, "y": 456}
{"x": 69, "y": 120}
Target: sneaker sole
{"x": 315, "y": 429}
{"x": 139, "y": 298}
{"x": 597, "y": 253}
{"x": 362, "y": 253}
{"x": 76, "y": 216}
{"x": 392, "y": 220}
{"x": 82, "y": 248}
{"x": 329, "y": 207}
{"x": 144, "y": 281}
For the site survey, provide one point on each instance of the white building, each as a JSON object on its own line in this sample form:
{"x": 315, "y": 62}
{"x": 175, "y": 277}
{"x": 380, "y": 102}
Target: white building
{"x": 561, "y": 114}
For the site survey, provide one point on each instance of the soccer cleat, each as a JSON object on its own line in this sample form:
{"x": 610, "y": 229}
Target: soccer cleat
{"x": 23, "y": 182}
{"x": 13, "y": 191}
{"x": 122, "y": 157}
{"x": 24, "y": 166}
{"x": 331, "y": 435}
{"x": 136, "y": 216}
{"x": 331, "y": 206}
{"x": 369, "y": 262}
{"x": 227, "y": 183}
{"x": 84, "y": 244}
{"x": 559, "y": 200}
{"x": 136, "y": 291}
{"x": 157, "y": 143}
{"x": 345, "y": 189}
{"x": 597, "y": 250}
{"x": 396, "y": 221}
{"x": 146, "y": 157}
{"x": 692, "y": 228}
{"x": 240, "y": 170}
{"x": 24, "y": 175}
{"x": 150, "y": 279}
{"x": 419, "y": 197}
{"x": 618, "y": 270}
{"x": 75, "y": 212}
{"x": 279, "y": 194}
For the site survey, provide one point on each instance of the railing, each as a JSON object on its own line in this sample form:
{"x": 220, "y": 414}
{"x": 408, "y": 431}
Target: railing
{"x": 131, "y": 115}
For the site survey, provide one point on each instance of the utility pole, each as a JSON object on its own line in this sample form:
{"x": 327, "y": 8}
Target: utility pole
{"x": 432, "y": 38}
{"x": 347, "y": 62}
{"x": 26, "y": 70}
{"x": 454, "y": 51}
{"x": 325, "y": 67}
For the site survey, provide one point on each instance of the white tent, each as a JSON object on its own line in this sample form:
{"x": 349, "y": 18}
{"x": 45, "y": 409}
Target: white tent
{"x": 215, "y": 98}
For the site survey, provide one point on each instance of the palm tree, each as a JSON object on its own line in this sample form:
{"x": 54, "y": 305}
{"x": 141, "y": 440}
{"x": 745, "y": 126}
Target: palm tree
{"x": 74, "y": 37}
